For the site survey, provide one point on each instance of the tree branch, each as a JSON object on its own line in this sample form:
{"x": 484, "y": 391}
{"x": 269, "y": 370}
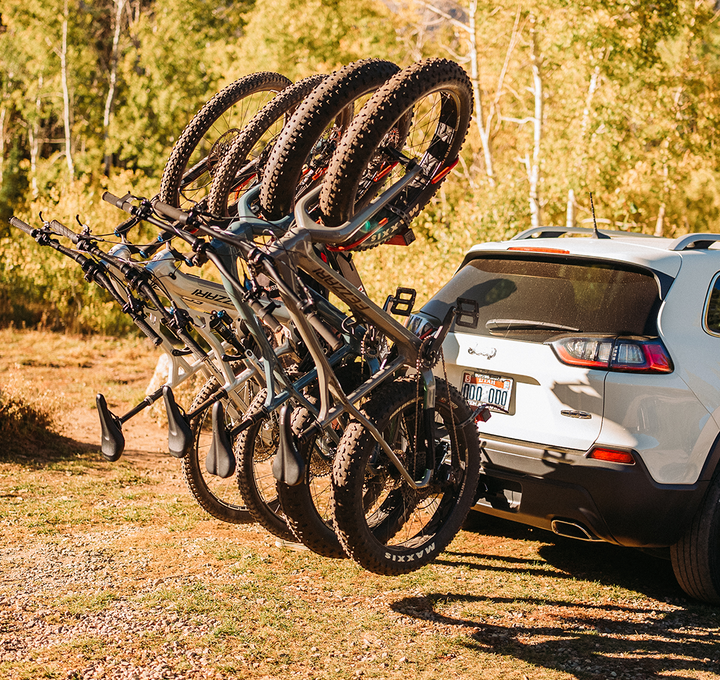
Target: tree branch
{"x": 444, "y": 15}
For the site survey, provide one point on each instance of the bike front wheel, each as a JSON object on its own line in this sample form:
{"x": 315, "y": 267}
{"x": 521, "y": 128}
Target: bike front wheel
{"x": 303, "y": 150}
{"x": 220, "y": 498}
{"x": 202, "y": 145}
{"x": 245, "y": 161}
{"x": 404, "y": 528}
{"x": 255, "y": 451}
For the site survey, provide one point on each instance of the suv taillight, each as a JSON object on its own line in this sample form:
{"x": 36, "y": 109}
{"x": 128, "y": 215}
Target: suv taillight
{"x": 637, "y": 355}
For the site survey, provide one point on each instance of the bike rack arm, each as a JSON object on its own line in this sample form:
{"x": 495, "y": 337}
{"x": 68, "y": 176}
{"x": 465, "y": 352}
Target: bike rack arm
{"x": 347, "y": 232}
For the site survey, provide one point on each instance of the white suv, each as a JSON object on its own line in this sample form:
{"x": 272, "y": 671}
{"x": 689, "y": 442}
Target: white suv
{"x": 601, "y": 354}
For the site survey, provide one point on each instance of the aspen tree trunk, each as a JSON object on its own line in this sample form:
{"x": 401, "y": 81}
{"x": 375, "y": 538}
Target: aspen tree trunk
{"x": 34, "y": 140}
{"x": 33, "y": 130}
{"x": 581, "y": 151}
{"x": 475, "y": 80}
{"x": 592, "y": 88}
{"x": 3, "y": 115}
{"x": 660, "y": 223}
{"x": 470, "y": 29}
{"x": 110, "y": 100}
{"x": 66, "y": 94}
{"x": 534, "y": 169}
{"x": 570, "y": 219}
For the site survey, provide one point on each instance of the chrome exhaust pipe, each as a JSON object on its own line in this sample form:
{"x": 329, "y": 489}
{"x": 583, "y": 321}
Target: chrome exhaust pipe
{"x": 575, "y": 530}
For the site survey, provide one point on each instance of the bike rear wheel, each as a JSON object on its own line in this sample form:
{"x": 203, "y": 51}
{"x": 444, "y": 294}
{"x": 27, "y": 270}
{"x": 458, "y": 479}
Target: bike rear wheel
{"x": 220, "y": 498}
{"x": 255, "y": 450}
{"x": 404, "y": 528}
{"x": 308, "y": 505}
{"x": 202, "y": 144}
{"x": 438, "y": 95}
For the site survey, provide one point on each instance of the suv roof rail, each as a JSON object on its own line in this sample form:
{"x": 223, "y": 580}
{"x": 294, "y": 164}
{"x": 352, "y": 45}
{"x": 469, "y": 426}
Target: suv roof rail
{"x": 694, "y": 242}
{"x": 555, "y": 232}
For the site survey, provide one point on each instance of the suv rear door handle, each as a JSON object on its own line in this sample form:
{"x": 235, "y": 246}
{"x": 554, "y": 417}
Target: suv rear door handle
{"x": 583, "y": 415}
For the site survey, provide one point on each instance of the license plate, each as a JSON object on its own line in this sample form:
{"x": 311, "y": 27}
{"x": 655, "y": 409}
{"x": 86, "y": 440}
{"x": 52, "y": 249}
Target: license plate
{"x": 481, "y": 388}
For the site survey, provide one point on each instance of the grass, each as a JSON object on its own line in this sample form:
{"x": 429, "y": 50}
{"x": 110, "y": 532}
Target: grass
{"x": 113, "y": 566}
{"x": 27, "y": 423}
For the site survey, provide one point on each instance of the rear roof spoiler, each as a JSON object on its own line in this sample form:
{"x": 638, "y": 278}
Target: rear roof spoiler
{"x": 688, "y": 242}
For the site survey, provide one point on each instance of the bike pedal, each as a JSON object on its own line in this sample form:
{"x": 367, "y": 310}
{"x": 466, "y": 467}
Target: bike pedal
{"x": 402, "y": 302}
{"x": 220, "y": 460}
{"x": 179, "y": 433}
{"x": 404, "y": 238}
{"x": 288, "y": 466}
{"x": 113, "y": 441}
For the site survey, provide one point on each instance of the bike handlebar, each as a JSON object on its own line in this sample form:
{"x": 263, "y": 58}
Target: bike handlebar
{"x": 171, "y": 212}
{"x": 23, "y": 226}
{"x": 61, "y": 229}
{"x": 122, "y": 203}
{"x": 346, "y": 233}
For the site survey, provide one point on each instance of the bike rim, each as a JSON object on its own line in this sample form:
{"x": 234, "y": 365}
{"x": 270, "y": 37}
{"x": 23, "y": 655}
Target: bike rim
{"x": 215, "y": 143}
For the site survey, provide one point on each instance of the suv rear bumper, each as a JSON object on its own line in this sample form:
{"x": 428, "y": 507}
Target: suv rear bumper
{"x": 584, "y": 498}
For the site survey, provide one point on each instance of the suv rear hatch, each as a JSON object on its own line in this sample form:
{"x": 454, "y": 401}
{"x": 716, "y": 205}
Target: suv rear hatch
{"x": 525, "y": 302}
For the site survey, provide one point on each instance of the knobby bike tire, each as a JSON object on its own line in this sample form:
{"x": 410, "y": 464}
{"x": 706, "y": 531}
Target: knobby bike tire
{"x": 227, "y": 506}
{"x": 307, "y": 506}
{"x": 411, "y": 89}
{"x": 411, "y": 527}
{"x": 201, "y": 123}
{"x": 255, "y": 449}
{"x": 310, "y": 121}
{"x": 243, "y": 149}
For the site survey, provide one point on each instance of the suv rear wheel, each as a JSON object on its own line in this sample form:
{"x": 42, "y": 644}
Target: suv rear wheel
{"x": 696, "y": 556}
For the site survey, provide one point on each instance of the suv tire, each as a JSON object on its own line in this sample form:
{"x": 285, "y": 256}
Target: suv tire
{"x": 696, "y": 556}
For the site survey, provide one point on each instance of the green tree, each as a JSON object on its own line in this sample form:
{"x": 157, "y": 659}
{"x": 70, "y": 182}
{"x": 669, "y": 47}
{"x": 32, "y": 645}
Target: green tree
{"x": 302, "y": 37}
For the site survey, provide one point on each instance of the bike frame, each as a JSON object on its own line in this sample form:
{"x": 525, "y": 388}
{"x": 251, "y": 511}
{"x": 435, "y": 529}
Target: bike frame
{"x": 295, "y": 251}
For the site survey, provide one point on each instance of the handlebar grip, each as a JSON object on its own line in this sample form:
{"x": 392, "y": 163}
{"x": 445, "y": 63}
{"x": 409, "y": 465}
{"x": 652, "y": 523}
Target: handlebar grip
{"x": 23, "y": 226}
{"x": 148, "y": 330}
{"x": 61, "y": 229}
{"x": 122, "y": 203}
{"x": 171, "y": 212}
{"x": 126, "y": 226}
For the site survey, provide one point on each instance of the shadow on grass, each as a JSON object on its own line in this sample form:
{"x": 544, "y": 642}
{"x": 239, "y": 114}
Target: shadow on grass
{"x": 602, "y": 563}
{"x": 588, "y": 641}
{"x": 611, "y": 640}
{"x": 36, "y": 451}
{"x": 28, "y": 433}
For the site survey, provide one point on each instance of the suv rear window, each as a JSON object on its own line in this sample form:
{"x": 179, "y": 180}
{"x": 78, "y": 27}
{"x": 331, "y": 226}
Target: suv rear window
{"x": 584, "y": 296}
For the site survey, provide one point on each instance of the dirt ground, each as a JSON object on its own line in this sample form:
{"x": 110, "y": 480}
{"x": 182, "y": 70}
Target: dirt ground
{"x": 112, "y": 571}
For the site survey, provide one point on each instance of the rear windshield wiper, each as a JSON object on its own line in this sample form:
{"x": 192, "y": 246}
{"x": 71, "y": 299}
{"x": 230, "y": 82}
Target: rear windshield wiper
{"x": 525, "y": 325}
